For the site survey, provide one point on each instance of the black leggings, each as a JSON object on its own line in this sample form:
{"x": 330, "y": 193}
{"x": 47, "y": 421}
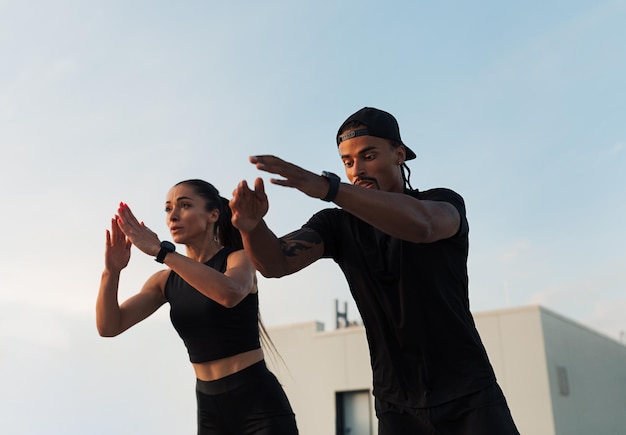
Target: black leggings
{"x": 247, "y": 402}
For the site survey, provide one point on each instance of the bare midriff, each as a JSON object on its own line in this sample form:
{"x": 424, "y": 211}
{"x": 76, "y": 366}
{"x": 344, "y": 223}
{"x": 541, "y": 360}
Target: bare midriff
{"x": 212, "y": 370}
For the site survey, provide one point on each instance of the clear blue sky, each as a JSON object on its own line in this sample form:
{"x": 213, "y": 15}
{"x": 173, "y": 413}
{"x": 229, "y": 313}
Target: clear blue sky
{"x": 518, "y": 107}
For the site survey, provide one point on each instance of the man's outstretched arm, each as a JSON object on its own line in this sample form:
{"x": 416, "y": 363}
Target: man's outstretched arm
{"x": 273, "y": 257}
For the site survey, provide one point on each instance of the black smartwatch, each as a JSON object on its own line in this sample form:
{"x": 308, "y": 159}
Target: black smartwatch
{"x": 166, "y": 248}
{"x": 334, "y": 181}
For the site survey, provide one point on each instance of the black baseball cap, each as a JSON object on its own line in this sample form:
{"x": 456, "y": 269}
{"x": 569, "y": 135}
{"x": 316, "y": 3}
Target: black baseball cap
{"x": 378, "y": 123}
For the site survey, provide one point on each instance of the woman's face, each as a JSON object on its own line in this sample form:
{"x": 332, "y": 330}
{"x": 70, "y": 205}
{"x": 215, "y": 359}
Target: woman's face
{"x": 187, "y": 216}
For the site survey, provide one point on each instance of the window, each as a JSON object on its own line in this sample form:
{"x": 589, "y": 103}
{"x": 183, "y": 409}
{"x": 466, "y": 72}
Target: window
{"x": 354, "y": 412}
{"x": 561, "y": 374}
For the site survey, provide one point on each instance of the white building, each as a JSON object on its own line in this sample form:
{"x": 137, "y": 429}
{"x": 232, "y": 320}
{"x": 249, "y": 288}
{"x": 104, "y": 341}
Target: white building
{"x": 559, "y": 377}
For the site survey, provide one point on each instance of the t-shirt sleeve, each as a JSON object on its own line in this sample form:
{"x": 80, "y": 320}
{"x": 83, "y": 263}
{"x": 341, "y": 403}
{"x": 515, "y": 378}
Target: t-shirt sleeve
{"x": 450, "y": 196}
{"x": 325, "y": 223}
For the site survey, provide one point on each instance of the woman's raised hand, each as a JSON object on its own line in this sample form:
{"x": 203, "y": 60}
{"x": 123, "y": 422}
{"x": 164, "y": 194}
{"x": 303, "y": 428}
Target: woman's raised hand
{"x": 140, "y": 235}
{"x": 117, "y": 250}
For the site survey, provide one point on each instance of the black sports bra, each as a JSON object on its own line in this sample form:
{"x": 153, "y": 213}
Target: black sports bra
{"x": 209, "y": 330}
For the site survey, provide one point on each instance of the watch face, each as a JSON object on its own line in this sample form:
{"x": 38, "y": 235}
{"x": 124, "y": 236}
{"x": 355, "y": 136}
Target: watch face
{"x": 329, "y": 175}
{"x": 168, "y": 245}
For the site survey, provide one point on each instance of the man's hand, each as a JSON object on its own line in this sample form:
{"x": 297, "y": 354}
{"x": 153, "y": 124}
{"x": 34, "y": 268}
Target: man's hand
{"x": 248, "y": 206}
{"x": 294, "y": 176}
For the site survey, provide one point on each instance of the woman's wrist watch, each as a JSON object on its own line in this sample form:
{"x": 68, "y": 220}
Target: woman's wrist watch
{"x": 166, "y": 248}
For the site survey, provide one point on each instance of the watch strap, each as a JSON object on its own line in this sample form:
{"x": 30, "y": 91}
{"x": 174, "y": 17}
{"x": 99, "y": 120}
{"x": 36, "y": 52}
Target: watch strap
{"x": 333, "y": 187}
{"x": 166, "y": 248}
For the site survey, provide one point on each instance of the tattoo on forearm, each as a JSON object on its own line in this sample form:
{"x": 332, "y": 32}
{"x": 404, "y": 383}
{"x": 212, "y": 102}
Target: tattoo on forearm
{"x": 298, "y": 241}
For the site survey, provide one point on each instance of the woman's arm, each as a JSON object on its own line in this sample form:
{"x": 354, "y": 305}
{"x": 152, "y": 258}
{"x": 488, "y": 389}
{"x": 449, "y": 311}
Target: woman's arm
{"x": 228, "y": 288}
{"x": 111, "y": 318}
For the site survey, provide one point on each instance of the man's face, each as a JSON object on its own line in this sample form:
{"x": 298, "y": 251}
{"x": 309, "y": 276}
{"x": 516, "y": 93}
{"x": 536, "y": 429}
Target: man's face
{"x": 372, "y": 162}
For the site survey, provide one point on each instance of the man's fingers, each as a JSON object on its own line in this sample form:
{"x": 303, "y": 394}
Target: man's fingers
{"x": 281, "y": 182}
{"x": 271, "y": 164}
{"x": 259, "y": 187}
{"x": 263, "y": 158}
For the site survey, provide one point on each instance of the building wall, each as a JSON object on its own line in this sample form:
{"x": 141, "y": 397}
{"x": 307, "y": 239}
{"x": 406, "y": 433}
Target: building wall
{"x": 315, "y": 366}
{"x": 595, "y": 367}
{"x": 514, "y": 342}
{"x": 527, "y": 346}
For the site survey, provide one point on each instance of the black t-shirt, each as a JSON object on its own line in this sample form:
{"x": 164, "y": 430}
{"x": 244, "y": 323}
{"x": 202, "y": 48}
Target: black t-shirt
{"x": 209, "y": 330}
{"x": 413, "y": 299}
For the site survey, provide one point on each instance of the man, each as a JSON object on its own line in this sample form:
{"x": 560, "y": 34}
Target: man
{"x": 404, "y": 255}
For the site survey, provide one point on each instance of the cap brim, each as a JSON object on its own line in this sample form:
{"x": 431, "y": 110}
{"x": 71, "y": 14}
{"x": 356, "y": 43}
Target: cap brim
{"x": 410, "y": 155}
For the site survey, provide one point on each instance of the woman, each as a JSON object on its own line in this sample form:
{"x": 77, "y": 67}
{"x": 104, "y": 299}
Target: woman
{"x": 212, "y": 292}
